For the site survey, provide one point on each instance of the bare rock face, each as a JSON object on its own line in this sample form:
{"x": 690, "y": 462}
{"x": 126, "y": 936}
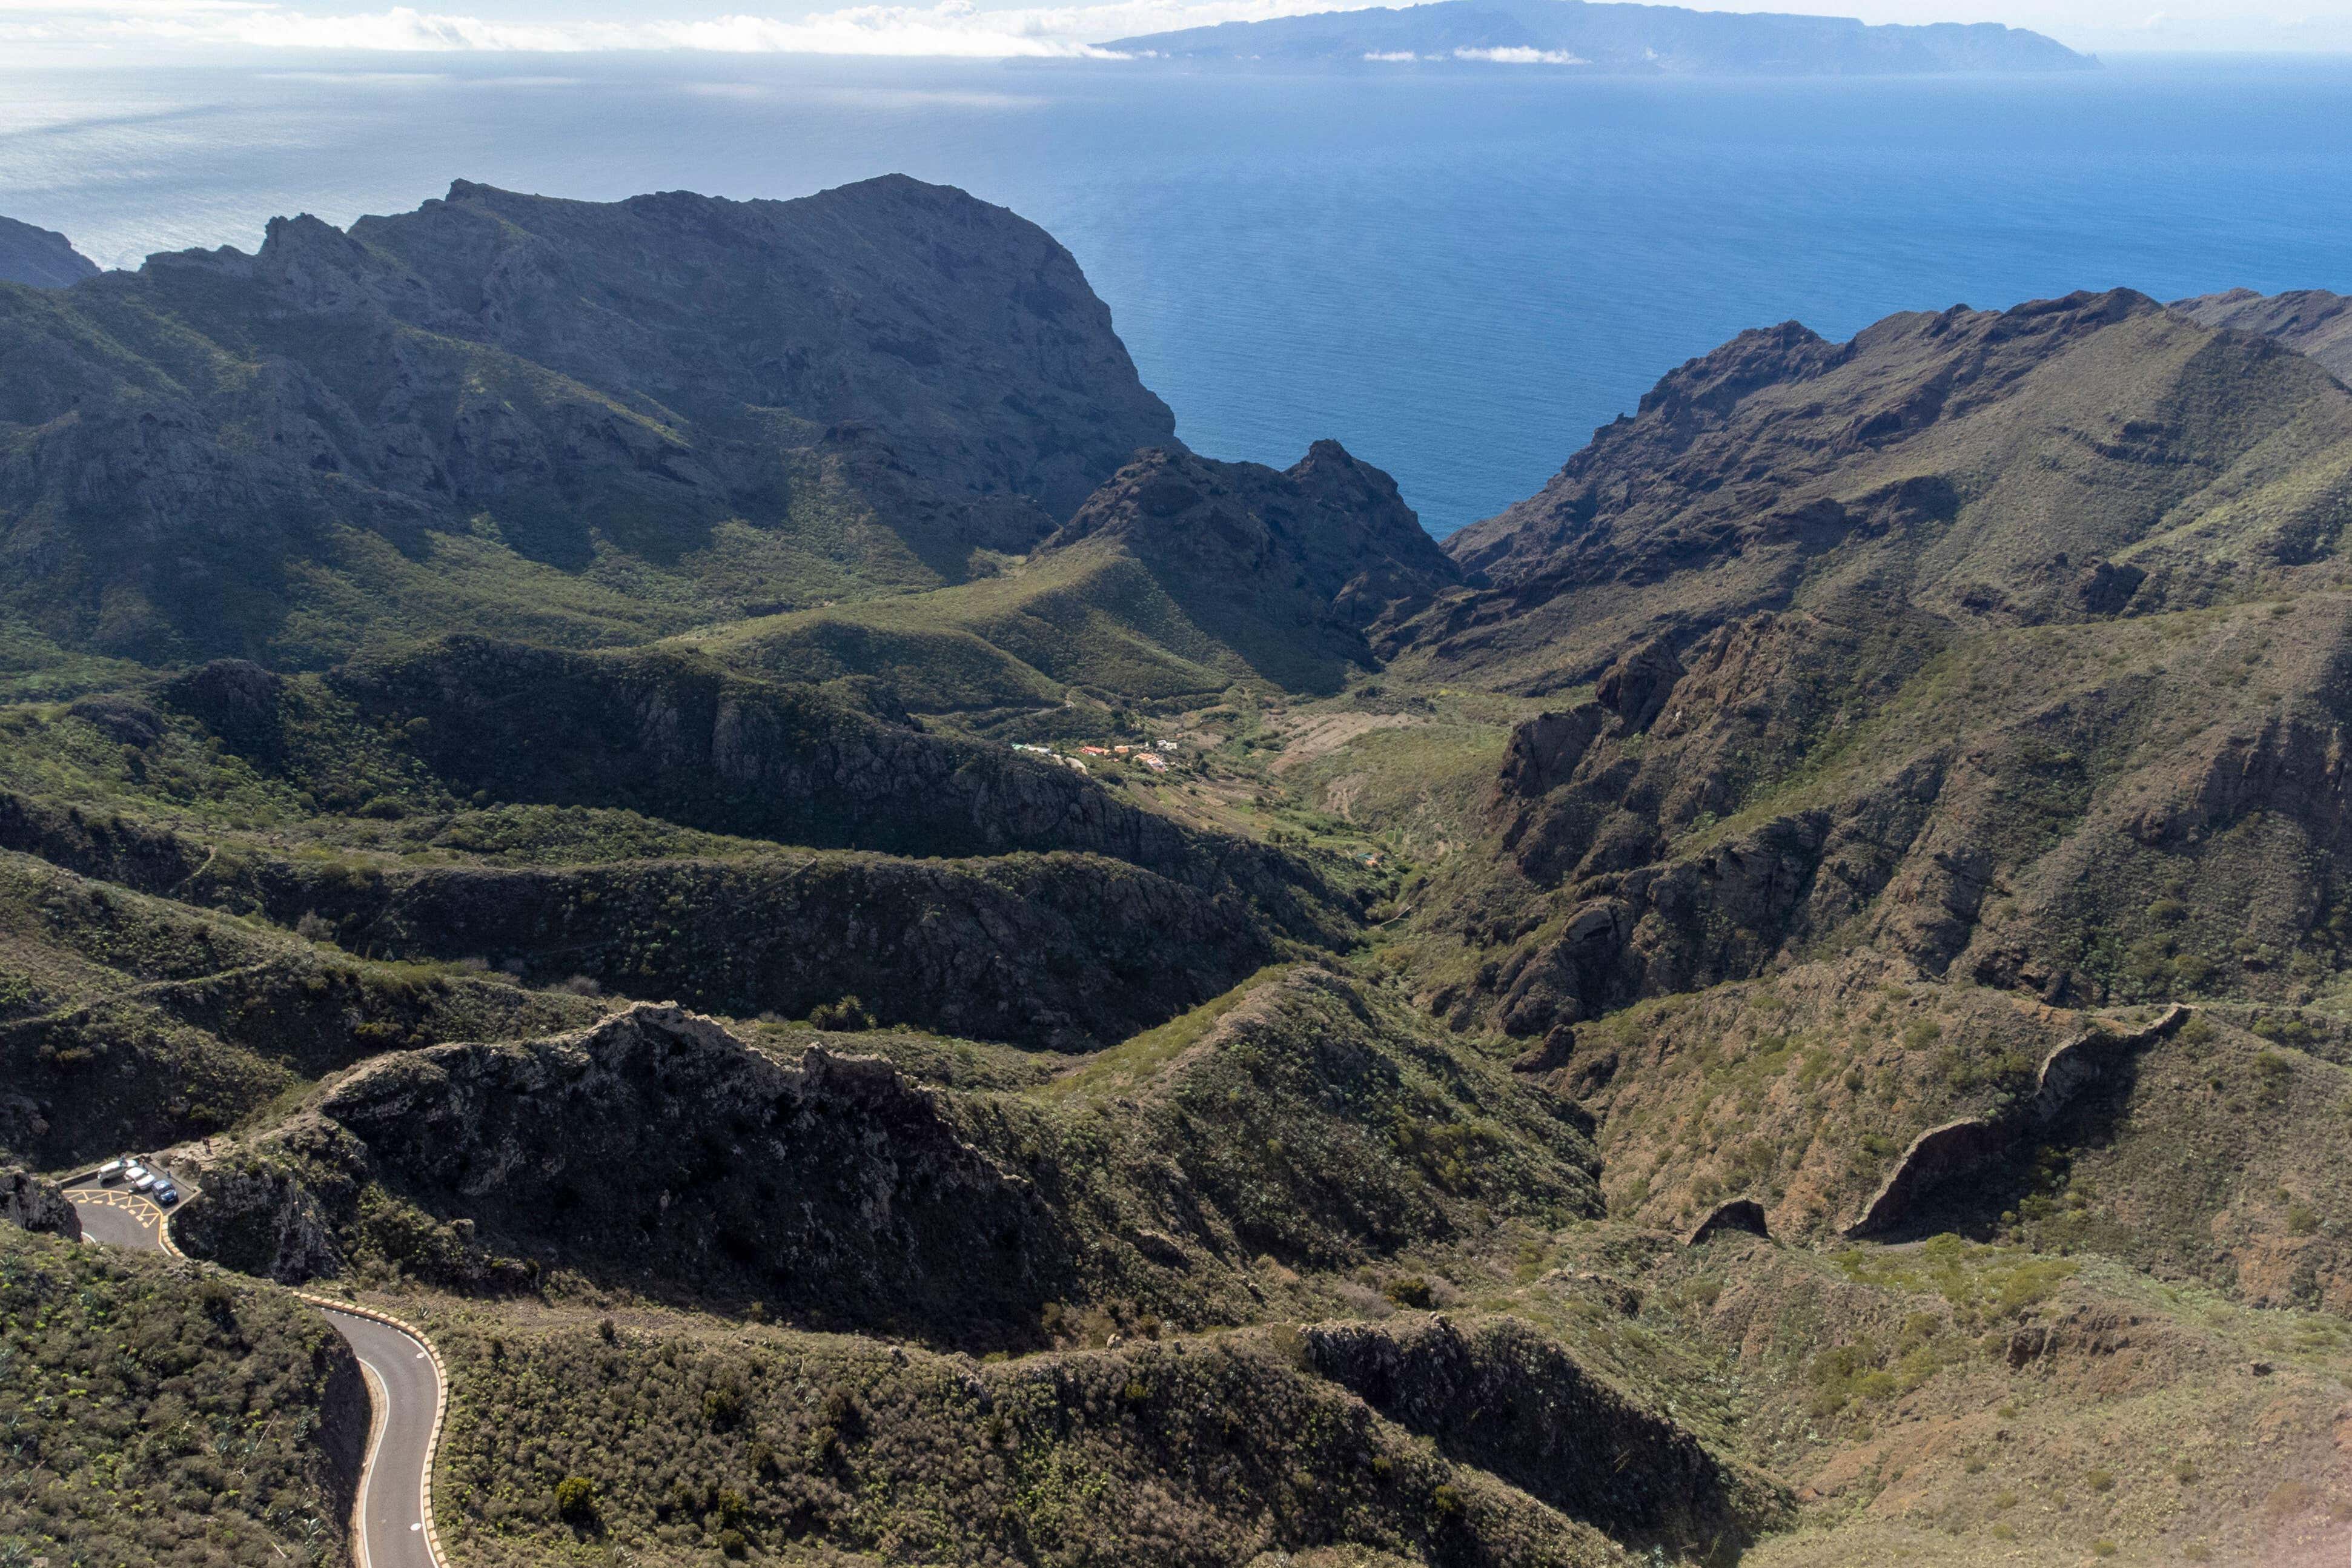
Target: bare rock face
{"x": 42, "y": 258}
{"x": 31, "y": 1204}
{"x": 1742, "y": 1216}
{"x": 1636, "y": 687}
{"x": 261, "y": 1222}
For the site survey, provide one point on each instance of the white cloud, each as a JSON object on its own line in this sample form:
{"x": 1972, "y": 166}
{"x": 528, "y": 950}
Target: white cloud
{"x": 957, "y": 28}
{"x": 950, "y": 28}
{"x": 1393, "y": 54}
{"x": 1523, "y": 56}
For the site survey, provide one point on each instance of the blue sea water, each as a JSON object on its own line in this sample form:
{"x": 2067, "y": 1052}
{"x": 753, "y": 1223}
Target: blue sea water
{"x": 1457, "y": 273}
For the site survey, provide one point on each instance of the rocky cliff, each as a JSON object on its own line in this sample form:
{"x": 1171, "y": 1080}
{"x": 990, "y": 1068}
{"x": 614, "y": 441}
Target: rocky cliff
{"x": 31, "y": 1204}
{"x": 751, "y": 402}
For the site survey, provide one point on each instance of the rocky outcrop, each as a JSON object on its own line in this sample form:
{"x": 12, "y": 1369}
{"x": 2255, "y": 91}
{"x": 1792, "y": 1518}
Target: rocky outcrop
{"x": 1636, "y": 687}
{"x": 657, "y": 1148}
{"x": 42, "y": 258}
{"x": 1505, "y": 1397}
{"x": 1543, "y": 751}
{"x": 31, "y": 1204}
{"x": 1743, "y": 1215}
{"x": 1943, "y": 1158}
{"x": 1298, "y": 571}
{"x": 265, "y": 1222}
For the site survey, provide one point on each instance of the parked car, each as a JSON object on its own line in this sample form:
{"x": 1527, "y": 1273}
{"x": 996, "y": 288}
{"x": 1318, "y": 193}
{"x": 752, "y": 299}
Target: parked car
{"x": 133, "y": 1170}
{"x": 167, "y": 1196}
{"x": 109, "y": 1173}
{"x": 145, "y": 1184}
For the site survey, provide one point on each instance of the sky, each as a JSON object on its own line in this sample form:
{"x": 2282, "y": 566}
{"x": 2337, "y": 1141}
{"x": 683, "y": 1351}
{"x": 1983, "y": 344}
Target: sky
{"x": 70, "y": 30}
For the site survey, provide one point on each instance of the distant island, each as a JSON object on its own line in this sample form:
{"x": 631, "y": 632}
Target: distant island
{"x": 1617, "y": 39}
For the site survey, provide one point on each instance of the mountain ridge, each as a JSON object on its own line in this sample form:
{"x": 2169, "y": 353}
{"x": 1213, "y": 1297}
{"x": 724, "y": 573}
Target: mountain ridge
{"x": 1783, "y": 1001}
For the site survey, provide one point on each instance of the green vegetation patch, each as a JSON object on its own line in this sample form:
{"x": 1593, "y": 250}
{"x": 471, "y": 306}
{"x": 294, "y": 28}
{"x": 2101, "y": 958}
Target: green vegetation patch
{"x": 152, "y": 1414}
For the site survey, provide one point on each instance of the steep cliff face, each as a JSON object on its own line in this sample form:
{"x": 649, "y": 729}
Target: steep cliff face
{"x": 1059, "y": 952}
{"x": 1940, "y": 794}
{"x": 1503, "y": 1395}
{"x": 518, "y": 395}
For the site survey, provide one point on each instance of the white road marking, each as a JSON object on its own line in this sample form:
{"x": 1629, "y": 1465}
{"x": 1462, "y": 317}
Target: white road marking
{"x": 381, "y": 1419}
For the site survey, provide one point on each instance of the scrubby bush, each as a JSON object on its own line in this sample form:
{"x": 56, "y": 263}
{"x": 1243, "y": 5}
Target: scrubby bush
{"x": 226, "y": 1412}
{"x": 576, "y": 1500}
{"x": 1409, "y": 1291}
{"x": 847, "y": 1015}
{"x": 1146, "y": 1452}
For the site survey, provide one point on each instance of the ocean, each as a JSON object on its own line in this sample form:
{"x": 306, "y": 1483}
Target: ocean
{"x": 1458, "y": 273}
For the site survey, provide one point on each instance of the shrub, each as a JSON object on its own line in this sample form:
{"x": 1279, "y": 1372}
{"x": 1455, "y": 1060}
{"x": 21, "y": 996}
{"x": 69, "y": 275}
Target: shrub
{"x": 722, "y": 1408}
{"x": 576, "y": 1500}
{"x": 732, "y": 1543}
{"x": 846, "y": 1016}
{"x": 1409, "y": 1291}
{"x": 2100, "y": 1481}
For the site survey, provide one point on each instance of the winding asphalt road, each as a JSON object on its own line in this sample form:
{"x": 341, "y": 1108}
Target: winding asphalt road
{"x": 403, "y": 1386}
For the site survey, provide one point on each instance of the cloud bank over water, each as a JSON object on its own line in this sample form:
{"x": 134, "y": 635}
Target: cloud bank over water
{"x": 960, "y": 28}
{"x": 951, "y": 28}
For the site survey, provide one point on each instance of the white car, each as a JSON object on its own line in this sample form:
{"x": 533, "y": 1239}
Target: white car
{"x": 144, "y": 1184}
{"x": 109, "y": 1173}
